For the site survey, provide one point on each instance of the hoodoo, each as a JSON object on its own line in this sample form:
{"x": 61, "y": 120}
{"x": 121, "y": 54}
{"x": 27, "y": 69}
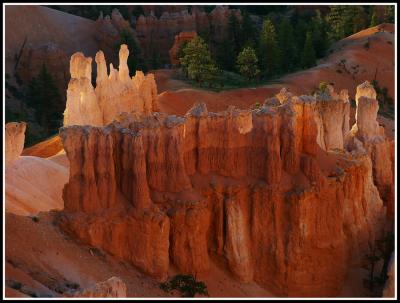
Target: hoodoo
{"x": 114, "y": 93}
{"x": 276, "y": 191}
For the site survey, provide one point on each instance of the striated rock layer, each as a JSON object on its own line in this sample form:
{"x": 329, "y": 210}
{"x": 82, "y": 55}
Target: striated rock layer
{"x": 252, "y": 186}
{"x": 115, "y": 92}
{"x": 14, "y": 140}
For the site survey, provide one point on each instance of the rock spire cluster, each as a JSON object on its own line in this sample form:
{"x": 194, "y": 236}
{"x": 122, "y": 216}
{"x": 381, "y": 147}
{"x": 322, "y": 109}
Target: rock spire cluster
{"x": 285, "y": 195}
{"x": 115, "y": 91}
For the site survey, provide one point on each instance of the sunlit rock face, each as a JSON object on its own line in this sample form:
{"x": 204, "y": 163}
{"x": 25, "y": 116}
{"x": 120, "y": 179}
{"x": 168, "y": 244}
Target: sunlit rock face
{"x": 254, "y": 187}
{"x": 14, "y": 140}
{"x": 367, "y": 135}
{"x": 115, "y": 92}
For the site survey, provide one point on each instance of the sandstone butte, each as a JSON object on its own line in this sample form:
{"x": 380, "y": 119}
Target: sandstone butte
{"x": 287, "y": 193}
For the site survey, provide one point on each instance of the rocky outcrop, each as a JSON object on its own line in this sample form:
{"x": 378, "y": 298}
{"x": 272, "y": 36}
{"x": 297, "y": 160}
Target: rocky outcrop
{"x": 179, "y": 39}
{"x": 14, "y": 140}
{"x": 112, "y": 288}
{"x": 367, "y": 135}
{"x": 115, "y": 92}
{"x": 252, "y": 186}
{"x": 330, "y": 112}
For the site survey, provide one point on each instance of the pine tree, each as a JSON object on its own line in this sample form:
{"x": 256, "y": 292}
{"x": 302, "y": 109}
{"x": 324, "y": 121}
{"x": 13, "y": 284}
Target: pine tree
{"x": 389, "y": 14}
{"x": 226, "y": 55}
{"x": 248, "y": 63}
{"x": 374, "y": 19}
{"x": 234, "y": 32}
{"x": 248, "y": 30}
{"x": 287, "y": 44}
{"x": 46, "y": 99}
{"x": 197, "y": 61}
{"x": 308, "y": 55}
{"x": 359, "y": 19}
{"x": 320, "y": 37}
{"x": 269, "y": 54}
{"x": 335, "y": 19}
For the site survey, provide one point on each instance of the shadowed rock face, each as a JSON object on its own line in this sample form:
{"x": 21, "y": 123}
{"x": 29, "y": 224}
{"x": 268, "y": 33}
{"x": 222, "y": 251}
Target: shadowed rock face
{"x": 115, "y": 91}
{"x": 160, "y": 33}
{"x": 14, "y": 140}
{"x": 253, "y": 186}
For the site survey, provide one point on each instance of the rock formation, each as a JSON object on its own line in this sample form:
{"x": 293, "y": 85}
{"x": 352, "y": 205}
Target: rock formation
{"x": 179, "y": 39}
{"x": 112, "y": 288}
{"x": 252, "y": 186}
{"x": 367, "y": 135}
{"x": 115, "y": 92}
{"x": 159, "y": 34}
{"x": 14, "y": 140}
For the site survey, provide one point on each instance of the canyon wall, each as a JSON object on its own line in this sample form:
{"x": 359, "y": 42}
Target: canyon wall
{"x": 256, "y": 187}
{"x": 14, "y": 140}
{"x": 115, "y": 91}
{"x": 159, "y": 34}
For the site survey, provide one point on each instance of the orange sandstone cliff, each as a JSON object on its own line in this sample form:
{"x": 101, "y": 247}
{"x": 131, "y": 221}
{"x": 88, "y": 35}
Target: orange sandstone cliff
{"x": 284, "y": 193}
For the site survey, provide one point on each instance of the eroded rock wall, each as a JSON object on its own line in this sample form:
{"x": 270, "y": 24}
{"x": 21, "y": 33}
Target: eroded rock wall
{"x": 253, "y": 186}
{"x": 367, "y": 135}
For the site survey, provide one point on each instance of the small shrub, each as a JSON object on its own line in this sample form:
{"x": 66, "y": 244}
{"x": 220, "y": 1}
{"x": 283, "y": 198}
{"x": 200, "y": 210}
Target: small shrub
{"x": 339, "y": 71}
{"x": 257, "y": 105}
{"x": 35, "y": 219}
{"x": 366, "y": 45}
{"x": 186, "y": 284}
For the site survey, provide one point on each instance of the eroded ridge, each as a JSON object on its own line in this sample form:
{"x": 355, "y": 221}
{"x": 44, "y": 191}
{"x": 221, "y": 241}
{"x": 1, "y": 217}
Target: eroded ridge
{"x": 256, "y": 187}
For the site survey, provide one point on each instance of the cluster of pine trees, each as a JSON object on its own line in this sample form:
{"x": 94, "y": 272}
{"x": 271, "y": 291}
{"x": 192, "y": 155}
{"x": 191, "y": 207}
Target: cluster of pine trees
{"x": 283, "y": 44}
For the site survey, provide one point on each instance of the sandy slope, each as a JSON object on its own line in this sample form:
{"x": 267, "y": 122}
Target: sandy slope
{"x": 42, "y": 25}
{"x": 47, "y": 259}
{"x": 44, "y": 149}
{"x": 360, "y": 65}
{"x": 34, "y": 184}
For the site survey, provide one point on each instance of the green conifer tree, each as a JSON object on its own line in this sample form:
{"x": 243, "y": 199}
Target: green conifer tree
{"x": 269, "y": 54}
{"x": 287, "y": 44}
{"x": 308, "y": 55}
{"x": 389, "y": 14}
{"x": 247, "y": 63}
{"x": 46, "y": 99}
{"x": 197, "y": 61}
{"x": 374, "y": 19}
